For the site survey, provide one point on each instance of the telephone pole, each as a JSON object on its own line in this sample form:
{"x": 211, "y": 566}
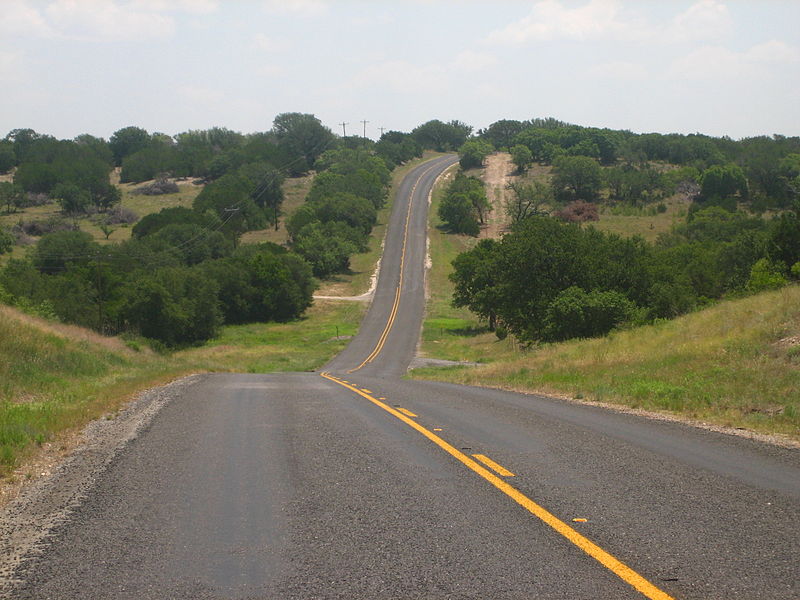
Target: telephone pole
{"x": 344, "y": 131}
{"x": 365, "y": 127}
{"x": 381, "y": 128}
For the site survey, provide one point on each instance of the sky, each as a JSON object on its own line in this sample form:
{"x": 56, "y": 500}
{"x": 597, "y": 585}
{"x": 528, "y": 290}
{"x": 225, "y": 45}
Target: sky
{"x": 718, "y": 67}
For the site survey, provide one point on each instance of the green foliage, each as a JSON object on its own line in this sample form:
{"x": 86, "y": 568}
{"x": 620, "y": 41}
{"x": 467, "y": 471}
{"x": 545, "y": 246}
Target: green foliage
{"x": 783, "y": 243}
{"x": 178, "y": 215}
{"x": 7, "y": 241}
{"x": 522, "y": 157}
{"x": 464, "y": 205}
{"x": 765, "y": 276}
{"x": 528, "y": 199}
{"x": 576, "y": 313}
{"x": 7, "y": 157}
{"x": 230, "y": 200}
{"x": 636, "y": 186}
{"x": 440, "y": 136}
{"x": 56, "y": 251}
{"x": 72, "y": 199}
{"x": 473, "y": 152}
{"x": 501, "y": 133}
{"x": 577, "y": 178}
{"x": 175, "y": 305}
{"x": 127, "y": 141}
{"x": 396, "y": 147}
{"x": 722, "y": 182}
{"x": 303, "y": 137}
{"x": 12, "y": 196}
{"x": 328, "y": 254}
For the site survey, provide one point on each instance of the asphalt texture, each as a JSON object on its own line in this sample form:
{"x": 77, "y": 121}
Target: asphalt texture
{"x": 297, "y": 486}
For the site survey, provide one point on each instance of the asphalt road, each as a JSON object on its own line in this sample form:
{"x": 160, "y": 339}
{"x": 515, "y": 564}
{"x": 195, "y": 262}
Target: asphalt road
{"x": 356, "y": 484}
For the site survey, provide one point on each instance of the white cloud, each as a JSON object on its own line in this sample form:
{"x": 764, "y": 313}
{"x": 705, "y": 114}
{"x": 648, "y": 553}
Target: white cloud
{"x": 401, "y": 76}
{"x": 619, "y": 70}
{"x": 469, "y": 60}
{"x": 268, "y": 44}
{"x": 705, "y": 20}
{"x": 303, "y": 8}
{"x": 550, "y": 19}
{"x": 98, "y": 20}
{"x": 10, "y": 66}
{"x": 611, "y": 20}
{"x": 774, "y": 51}
{"x": 199, "y": 7}
{"x": 19, "y": 18}
{"x": 716, "y": 62}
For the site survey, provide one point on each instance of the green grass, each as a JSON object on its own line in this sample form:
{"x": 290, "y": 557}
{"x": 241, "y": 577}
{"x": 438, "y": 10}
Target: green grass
{"x": 301, "y": 345}
{"x": 732, "y": 364}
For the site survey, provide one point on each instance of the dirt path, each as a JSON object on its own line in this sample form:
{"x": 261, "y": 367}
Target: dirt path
{"x": 496, "y": 177}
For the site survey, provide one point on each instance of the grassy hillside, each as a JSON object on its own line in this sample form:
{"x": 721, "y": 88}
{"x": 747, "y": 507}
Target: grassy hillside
{"x": 736, "y": 363}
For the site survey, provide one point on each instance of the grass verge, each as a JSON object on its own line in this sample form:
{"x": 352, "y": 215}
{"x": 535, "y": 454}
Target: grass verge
{"x": 736, "y": 364}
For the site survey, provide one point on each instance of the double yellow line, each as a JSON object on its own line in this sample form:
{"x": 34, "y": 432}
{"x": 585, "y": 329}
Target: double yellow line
{"x": 606, "y": 559}
{"x": 393, "y": 314}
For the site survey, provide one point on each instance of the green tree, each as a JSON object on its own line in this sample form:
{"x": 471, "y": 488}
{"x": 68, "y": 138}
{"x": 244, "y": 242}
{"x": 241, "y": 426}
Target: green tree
{"x": 266, "y": 185}
{"x": 473, "y": 152}
{"x": 72, "y": 199}
{"x": 7, "y": 157}
{"x": 723, "y": 181}
{"x": 7, "y": 241}
{"x": 126, "y": 141}
{"x": 458, "y": 213}
{"x": 577, "y": 178}
{"x": 442, "y": 137}
{"x": 12, "y": 196}
{"x": 528, "y": 199}
{"x": 522, "y": 157}
{"x": 302, "y": 136}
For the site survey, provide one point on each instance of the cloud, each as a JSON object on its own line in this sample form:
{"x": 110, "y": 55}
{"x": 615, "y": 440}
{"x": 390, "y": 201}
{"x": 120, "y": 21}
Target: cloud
{"x": 400, "y": 76}
{"x": 302, "y": 8}
{"x": 705, "y": 20}
{"x": 94, "y": 20}
{"x": 10, "y": 66}
{"x": 716, "y": 62}
{"x": 268, "y": 44}
{"x": 619, "y": 70}
{"x": 199, "y": 7}
{"x": 469, "y": 60}
{"x": 550, "y": 20}
{"x": 18, "y": 18}
{"x": 607, "y": 20}
{"x": 774, "y": 51}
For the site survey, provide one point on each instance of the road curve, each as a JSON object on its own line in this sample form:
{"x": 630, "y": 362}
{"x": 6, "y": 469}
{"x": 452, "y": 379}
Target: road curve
{"x": 354, "y": 483}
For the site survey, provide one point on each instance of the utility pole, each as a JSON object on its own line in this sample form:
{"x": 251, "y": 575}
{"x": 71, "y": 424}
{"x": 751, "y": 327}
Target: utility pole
{"x": 381, "y": 128}
{"x": 365, "y": 127}
{"x": 344, "y": 131}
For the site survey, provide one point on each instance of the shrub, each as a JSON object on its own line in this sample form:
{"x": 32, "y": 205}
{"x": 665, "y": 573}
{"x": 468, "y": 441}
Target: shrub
{"x": 578, "y": 212}
{"x": 577, "y": 313}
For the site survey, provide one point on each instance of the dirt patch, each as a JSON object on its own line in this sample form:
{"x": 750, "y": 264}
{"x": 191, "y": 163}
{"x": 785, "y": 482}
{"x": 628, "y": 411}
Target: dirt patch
{"x": 496, "y": 176}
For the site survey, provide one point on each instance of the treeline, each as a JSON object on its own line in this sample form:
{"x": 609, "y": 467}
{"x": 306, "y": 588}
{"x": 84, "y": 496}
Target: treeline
{"x": 593, "y": 164}
{"x": 183, "y": 273}
{"x": 548, "y": 280}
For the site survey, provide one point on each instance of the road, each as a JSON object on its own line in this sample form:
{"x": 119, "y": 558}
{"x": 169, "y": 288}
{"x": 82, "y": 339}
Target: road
{"x": 354, "y": 483}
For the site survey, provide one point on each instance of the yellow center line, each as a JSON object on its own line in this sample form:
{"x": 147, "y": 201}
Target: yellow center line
{"x": 500, "y": 470}
{"x": 393, "y": 314}
{"x": 406, "y": 412}
{"x": 612, "y": 563}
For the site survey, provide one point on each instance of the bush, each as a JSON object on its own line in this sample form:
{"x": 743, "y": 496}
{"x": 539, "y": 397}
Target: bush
{"x": 575, "y": 313}
{"x": 765, "y": 276}
{"x": 158, "y": 188}
{"x": 578, "y": 212}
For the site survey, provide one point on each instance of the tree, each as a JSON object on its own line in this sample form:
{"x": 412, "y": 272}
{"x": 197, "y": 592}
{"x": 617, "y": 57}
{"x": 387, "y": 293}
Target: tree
{"x": 440, "y": 136}
{"x": 57, "y": 251}
{"x": 473, "y": 152}
{"x": 72, "y": 199}
{"x": 7, "y": 157}
{"x": 475, "y": 276}
{"x": 11, "y": 195}
{"x": 128, "y": 140}
{"x": 577, "y": 178}
{"x": 303, "y": 137}
{"x": 501, "y": 133}
{"x": 720, "y": 182}
{"x": 7, "y": 241}
{"x": 576, "y": 313}
{"x": 522, "y": 157}
{"x": 458, "y": 214}
{"x": 266, "y": 184}
{"x": 527, "y": 200}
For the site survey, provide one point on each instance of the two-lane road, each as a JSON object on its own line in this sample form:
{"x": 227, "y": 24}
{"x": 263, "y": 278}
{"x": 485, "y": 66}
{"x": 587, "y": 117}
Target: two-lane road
{"x": 355, "y": 483}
